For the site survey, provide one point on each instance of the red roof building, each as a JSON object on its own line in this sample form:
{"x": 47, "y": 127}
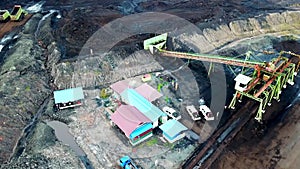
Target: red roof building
{"x": 136, "y": 126}
{"x": 148, "y": 92}
{"x": 120, "y": 86}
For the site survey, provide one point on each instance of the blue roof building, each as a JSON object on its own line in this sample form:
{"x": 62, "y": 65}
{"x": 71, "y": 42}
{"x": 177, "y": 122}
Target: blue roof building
{"x": 68, "y": 97}
{"x": 173, "y": 130}
{"x": 133, "y": 98}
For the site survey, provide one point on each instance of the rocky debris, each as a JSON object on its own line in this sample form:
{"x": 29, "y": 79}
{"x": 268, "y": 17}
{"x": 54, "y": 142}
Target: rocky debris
{"x": 99, "y": 71}
{"x": 41, "y": 138}
{"x": 61, "y": 156}
{"x": 24, "y": 85}
{"x": 29, "y": 161}
{"x": 43, "y": 151}
{"x": 53, "y": 55}
{"x": 31, "y": 25}
{"x": 44, "y": 32}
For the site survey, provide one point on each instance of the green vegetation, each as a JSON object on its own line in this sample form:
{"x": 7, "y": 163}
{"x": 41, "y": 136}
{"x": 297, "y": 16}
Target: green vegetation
{"x": 97, "y": 72}
{"x": 27, "y": 89}
{"x": 168, "y": 100}
{"x": 104, "y": 94}
{"x": 169, "y": 145}
{"x": 159, "y": 86}
{"x": 152, "y": 142}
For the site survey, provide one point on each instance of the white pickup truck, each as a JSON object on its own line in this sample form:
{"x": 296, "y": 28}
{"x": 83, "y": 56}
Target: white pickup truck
{"x": 171, "y": 113}
{"x": 193, "y": 112}
{"x": 206, "y": 112}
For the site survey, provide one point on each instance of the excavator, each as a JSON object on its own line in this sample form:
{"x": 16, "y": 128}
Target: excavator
{"x": 265, "y": 83}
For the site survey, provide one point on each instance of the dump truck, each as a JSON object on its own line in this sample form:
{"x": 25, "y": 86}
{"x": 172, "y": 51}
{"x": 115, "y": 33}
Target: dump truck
{"x": 127, "y": 163}
{"x": 4, "y": 15}
{"x": 17, "y": 13}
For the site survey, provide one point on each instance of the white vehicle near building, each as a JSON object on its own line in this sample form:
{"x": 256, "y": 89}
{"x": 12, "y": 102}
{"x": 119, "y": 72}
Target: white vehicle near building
{"x": 171, "y": 113}
{"x": 193, "y": 112}
{"x": 206, "y": 112}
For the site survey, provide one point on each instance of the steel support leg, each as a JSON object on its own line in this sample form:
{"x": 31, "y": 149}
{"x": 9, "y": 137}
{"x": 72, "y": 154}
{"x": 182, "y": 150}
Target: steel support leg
{"x": 259, "y": 112}
{"x": 233, "y": 101}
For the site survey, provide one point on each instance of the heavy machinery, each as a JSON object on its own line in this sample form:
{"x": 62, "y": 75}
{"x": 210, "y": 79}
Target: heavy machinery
{"x": 127, "y": 163}
{"x": 264, "y": 83}
{"x": 4, "y": 15}
{"x": 17, "y": 13}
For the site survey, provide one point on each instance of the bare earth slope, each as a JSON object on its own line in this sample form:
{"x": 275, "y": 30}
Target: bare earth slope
{"x": 279, "y": 149}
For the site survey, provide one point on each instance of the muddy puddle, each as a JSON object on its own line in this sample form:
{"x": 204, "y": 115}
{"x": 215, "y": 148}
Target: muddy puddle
{"x": 62, "y": 133}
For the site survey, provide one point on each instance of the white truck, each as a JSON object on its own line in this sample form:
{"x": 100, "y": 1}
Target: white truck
{"x": 171, "y": 113}
{"x": 193, "y": 112}
{"x": 206, "y": 112}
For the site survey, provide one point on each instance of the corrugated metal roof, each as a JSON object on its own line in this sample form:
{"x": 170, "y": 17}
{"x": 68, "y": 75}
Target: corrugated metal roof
{"x": 243, "y": 79}
{"x": 172, "y": 128}
{"x": 148, "y": 92}
{"x": 68, "y": 95}
{"x": 131, "y": 97}
{"x": 120, "y": 86}
{"x": 141, "y": 129}
{"x": 128, "y": 119}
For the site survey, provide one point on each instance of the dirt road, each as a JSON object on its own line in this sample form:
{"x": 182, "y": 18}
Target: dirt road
{"x": 10, "y": 25}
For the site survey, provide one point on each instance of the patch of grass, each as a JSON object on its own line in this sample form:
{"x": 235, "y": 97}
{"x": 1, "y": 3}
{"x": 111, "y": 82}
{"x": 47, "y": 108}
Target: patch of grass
{"x": 152, "y": 142}
{"x": 97, "y": 72}
{"x": 169, "y": 145}
{"x": 27, "y": 89}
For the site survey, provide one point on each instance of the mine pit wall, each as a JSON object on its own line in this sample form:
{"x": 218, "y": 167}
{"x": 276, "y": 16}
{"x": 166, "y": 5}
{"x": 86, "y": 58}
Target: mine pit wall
{"x": 285, "y": 23}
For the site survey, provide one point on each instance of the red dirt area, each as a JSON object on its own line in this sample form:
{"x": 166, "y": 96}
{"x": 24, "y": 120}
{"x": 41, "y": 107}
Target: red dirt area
{"x": 10, "y": 25}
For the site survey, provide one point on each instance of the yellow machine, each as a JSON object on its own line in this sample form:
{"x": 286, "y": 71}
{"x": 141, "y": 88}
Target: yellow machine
{"x": 17, "y": 13}
{"x": 4, "y": 15}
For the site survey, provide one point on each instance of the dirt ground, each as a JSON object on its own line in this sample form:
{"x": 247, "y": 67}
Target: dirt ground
{"x": 104, "y": 144}
{"x": 9, "y": 26}
{"x": 277, "y": 149}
